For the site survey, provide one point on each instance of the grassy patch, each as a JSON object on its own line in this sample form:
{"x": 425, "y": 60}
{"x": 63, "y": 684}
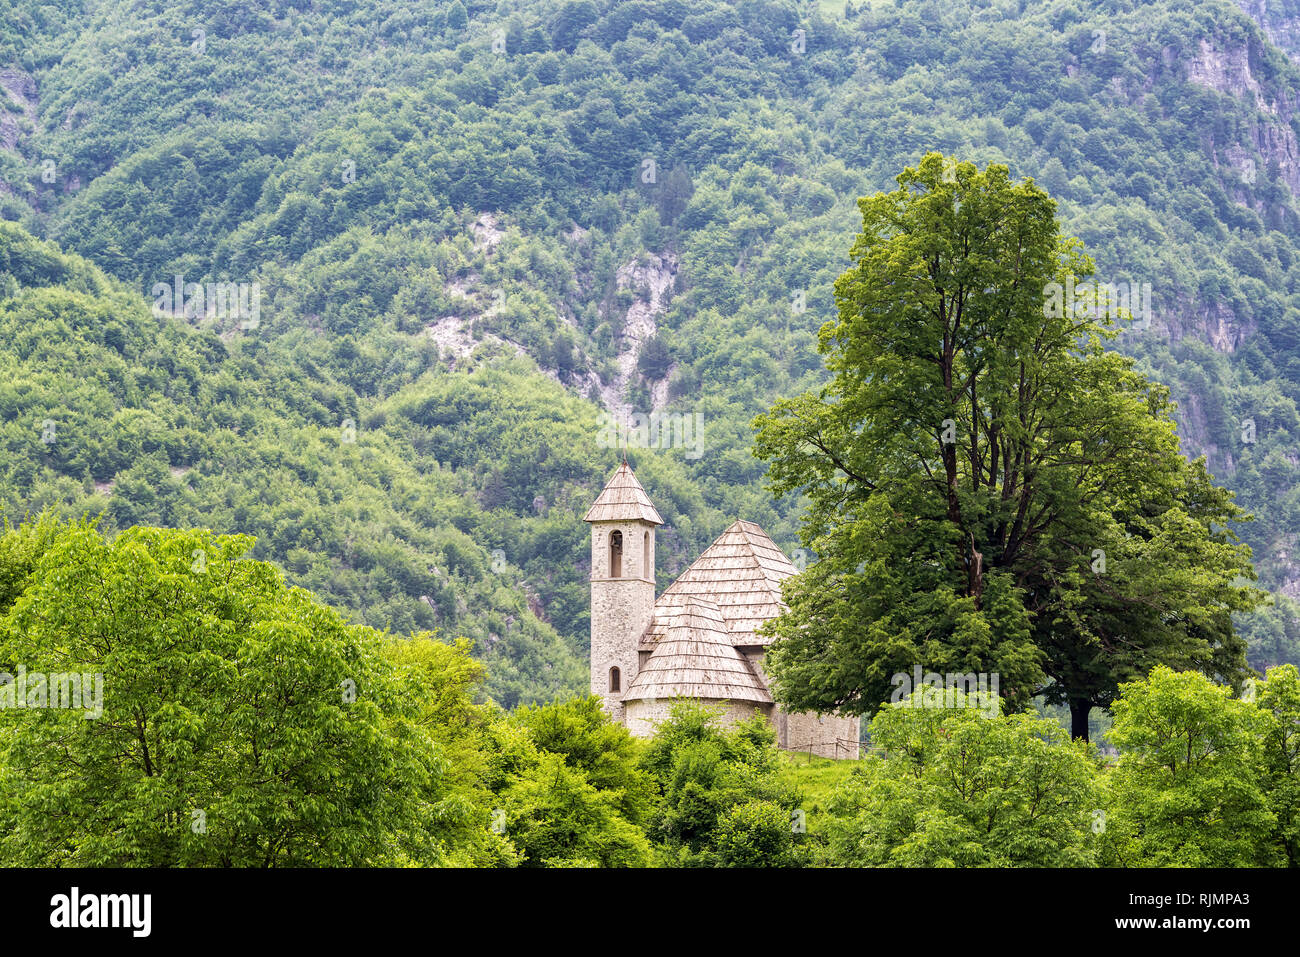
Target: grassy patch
{"x": 816, "y": 780}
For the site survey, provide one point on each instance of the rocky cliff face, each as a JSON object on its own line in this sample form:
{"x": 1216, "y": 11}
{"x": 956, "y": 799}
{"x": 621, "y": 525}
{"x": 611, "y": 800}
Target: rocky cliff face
{"x": 1261, "y": 147}
{"x": 20, "y": 89}
{"x": 1232, "y": 66}
{"x": 17, "y": 112}
{"x": 650, "y": 278}
{"x": 1212, "y": 322}
{"x": 1280, "y": 21}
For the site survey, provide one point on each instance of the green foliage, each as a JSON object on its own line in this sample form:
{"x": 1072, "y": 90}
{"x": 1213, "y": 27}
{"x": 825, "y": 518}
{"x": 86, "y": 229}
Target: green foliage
{"x": 241, "y": 724}
{"x": 581, "y": 732}
{"x": 1279, "y": 699}
{"x": 21, "y": 551}
{"x": 723, "y": 802}
{"x": 557, "y": 818}
{"x": 341, "y": 156}
{"x": 753, "y": 834}
{"x": 989, "y": 489}
{"x": 238, "y": 722}
{"x": 654, "y": 359}
{"x": 957, "y": 788}
{"x": 570, "y": 788}
{"x": 344, "y": 155}
{"x": 1188, "y": 790}
{"x": 174, "y": 428}
{"x": 444, "y": 680}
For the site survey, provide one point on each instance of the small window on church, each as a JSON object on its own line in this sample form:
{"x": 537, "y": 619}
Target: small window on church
{"x": 616, "y": 555}
{"x": 645, "y": 554}
{"x": 614, "y": 678}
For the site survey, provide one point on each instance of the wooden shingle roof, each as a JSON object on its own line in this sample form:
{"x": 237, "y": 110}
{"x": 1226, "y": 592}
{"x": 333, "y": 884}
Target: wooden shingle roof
{"x": 740, "y": 573}
{"x": 696, "y": 659}
{"x": 622, "y": 499}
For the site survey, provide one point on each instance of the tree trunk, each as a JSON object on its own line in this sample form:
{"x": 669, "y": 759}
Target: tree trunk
{"x": 975, "y": 573}
{"x": 1079, "y": 709}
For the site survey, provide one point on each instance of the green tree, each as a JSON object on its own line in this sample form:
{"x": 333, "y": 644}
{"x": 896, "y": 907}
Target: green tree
{"x": 723, "y": 803}
{"x": 551, "y": 811}
{"x": 240, "y": 723}
{"x": 654, "y": 359}
{"x": 457, "y": 18}
{"x": 21, "y": 549}
{"x": 444, "y": 680}
{"x": 1188, "y": 790}
{"x": 1279, "y": 699}
{"x": 569, "y": 22}
{"x": 989, "y": 488}
{"x": 958, "y": 788}
{"x": 754, "y": 834}
{"x": 581, "y": 732}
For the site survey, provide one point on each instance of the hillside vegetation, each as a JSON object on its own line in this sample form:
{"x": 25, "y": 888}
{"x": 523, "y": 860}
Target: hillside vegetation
{"x": 475, "y": 227}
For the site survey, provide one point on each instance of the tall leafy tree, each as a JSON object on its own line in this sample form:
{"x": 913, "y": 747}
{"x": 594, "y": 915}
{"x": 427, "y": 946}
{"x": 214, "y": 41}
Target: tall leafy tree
{"x": 989, "y": 488}
{"x": 567, "y": 789}
{"x": 457, "y": 18}
{"x": 239, "y": 722}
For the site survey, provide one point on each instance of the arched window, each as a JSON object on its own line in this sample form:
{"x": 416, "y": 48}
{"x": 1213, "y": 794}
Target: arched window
{"x": 616, "y": 555}
{"x": 614, "y": 680}
{"x": 645, "y": 554}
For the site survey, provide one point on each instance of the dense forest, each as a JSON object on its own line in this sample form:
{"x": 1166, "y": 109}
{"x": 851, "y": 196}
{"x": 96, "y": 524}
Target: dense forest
{"x": 249, "y": 725}
{"x": 473, "y": 228}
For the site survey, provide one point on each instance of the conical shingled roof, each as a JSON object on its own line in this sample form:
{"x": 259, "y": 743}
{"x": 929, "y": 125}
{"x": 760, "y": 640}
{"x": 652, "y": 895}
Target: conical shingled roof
{"x": 741, "y": 573}
{"x": 696, "y": 659}
{"x": 623, "y": 499}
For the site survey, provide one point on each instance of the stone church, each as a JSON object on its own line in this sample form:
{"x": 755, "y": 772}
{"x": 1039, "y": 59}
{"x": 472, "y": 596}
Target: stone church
{"x": 699, "y": 638}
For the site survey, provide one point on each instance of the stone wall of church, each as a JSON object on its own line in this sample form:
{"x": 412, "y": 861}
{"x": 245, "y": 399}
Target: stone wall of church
{"x": 828, "y": 736}
{"x": 642, "y": 715}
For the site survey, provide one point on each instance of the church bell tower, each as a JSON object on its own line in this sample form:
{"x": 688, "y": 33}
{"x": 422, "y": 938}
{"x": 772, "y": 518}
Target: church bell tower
{"x": 623, "y": 526}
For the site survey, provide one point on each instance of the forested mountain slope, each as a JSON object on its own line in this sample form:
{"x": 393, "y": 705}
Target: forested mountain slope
{"x": 476, "y": 226}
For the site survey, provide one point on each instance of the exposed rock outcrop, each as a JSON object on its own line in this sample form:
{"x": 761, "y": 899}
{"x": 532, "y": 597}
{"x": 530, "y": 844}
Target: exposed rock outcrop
{"x": 1280, "y": 21}
{"x": 1232, "y": 68}
{"x": 20, "y": 88}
